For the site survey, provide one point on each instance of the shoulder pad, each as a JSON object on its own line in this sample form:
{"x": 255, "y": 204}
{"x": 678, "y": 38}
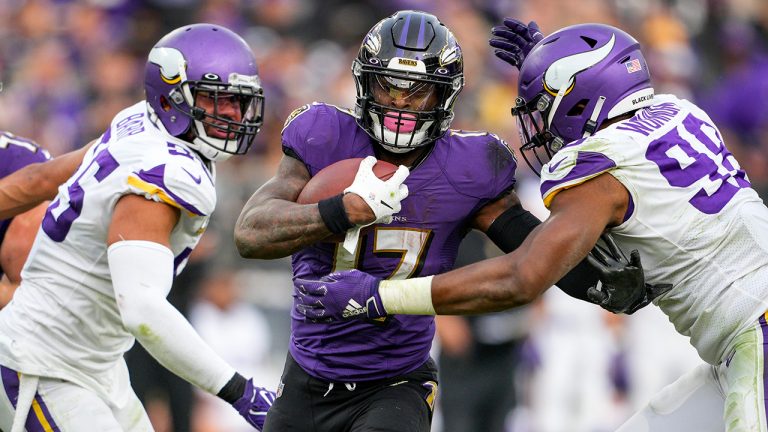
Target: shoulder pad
{"x": 321, "y": 134}
{"x": 576, "y": 163}
{"x": 478, "y": 164}
{"x": 180, "y": 179}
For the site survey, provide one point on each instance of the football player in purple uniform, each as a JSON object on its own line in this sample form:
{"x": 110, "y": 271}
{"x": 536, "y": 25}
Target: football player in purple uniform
{"x": 377, "y": 374}
{"x": 653, "y": 169}
{"x": 17, "y": 232}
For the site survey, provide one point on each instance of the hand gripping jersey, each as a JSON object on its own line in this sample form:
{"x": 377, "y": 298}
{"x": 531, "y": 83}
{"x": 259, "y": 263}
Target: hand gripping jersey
{"x": 63, "y": 321}
{"x": 463, "y": 172}
{"x": 692, "y": 215}
{"x": 16, "y": 153}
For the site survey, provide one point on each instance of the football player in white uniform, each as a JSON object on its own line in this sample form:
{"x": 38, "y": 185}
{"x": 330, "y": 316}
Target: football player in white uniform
{"x": 654, "y": 171}
{"x": 117, "y": 233}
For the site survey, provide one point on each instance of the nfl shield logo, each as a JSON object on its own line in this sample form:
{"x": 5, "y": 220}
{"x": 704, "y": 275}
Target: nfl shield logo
{"x": 633, "y": 66}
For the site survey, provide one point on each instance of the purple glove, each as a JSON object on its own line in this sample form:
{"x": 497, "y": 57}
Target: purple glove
{"x": 514, "y": 40}
{"x": 339, "y": 296}
{"x": 254, "y": 404}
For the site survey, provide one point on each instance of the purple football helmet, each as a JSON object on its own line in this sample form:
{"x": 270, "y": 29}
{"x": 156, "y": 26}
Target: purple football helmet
{"x": 206, "y": 65}
{"x": 574, "y": 80}
{"x": 408, "y": 56}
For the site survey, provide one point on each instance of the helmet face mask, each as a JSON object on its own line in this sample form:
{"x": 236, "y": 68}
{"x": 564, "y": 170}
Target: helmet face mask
{"x": 574, "y": 80}
{"x": 214, "y": 102}
{"x": 225, "y": 117}
{"x": 539, "y": 144}
{"x": 408, "y": 74}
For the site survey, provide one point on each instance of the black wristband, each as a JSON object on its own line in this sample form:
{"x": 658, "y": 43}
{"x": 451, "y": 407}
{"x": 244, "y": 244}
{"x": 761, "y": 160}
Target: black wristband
{"x": 576, "y": 282}
{"x": 333, "y": 214}
{"x": 233, "y": 389}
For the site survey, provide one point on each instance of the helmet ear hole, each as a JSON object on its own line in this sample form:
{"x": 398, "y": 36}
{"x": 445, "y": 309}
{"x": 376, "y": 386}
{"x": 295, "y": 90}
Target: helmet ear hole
{"x": 164, "y": 104}
{"x": 578, "y": 108}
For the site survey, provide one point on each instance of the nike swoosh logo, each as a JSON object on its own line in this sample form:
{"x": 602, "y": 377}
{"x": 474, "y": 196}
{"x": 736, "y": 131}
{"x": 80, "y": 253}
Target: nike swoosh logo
{"x": 386, "y": 205}
{"x": 553, "y": 166}
{"x": 197, "y": 179}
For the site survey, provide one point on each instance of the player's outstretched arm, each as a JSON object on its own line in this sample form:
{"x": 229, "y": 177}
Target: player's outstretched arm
{"x": 273, "y": 225}
{"x": 507, "y": 224}
{"x": 605, "y": 278}
{"x": 142, "y": 268}
{"x": 38, "y": 182}
{"x": 579, "y": 216}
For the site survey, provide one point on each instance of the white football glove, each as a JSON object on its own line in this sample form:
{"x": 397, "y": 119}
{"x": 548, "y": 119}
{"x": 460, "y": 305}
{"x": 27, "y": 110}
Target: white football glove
{"x": 382, "y": 196}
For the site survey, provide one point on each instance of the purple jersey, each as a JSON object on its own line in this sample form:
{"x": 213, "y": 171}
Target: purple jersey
{"x": 462, "y": 173}
{"x": 15, "y": 154}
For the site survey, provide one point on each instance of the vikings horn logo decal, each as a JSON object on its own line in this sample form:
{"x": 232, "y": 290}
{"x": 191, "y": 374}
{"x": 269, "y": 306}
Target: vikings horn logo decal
{"x": 562, "y": 72}
{"x": 171, "y": 62}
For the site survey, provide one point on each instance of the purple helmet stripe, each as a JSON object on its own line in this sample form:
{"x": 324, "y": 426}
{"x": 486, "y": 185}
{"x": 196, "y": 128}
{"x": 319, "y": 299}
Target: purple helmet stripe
{"x": 420, "y": 42}
{"x": 156, "y": 177}
{"x": 403, "y": 36}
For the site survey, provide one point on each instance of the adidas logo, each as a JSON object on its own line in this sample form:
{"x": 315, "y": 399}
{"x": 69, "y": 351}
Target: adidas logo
{"x": 353, "y": 309}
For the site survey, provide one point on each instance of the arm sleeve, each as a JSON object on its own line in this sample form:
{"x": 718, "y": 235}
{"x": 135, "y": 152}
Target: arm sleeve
{"x": 142, "y": 274}
{"x": 510, "y": 229}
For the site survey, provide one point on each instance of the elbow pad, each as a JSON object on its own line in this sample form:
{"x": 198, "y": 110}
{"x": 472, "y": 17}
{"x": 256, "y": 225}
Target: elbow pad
{"x": 142, "y": 275}
{"x": 510, "y": 229}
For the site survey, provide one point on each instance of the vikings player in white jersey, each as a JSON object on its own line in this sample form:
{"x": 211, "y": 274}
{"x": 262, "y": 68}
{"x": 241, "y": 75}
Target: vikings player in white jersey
{"x": 117, "y": 233}
{"x": 654, "y": 171}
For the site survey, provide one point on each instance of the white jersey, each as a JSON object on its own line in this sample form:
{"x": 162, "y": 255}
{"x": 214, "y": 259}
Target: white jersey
{"x": 63, "y": 321}
{"x": 692, "y": 215}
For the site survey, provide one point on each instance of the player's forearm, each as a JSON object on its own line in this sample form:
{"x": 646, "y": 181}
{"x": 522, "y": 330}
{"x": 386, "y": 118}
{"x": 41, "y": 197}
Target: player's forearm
{"x": 278, "y": 228}
{"x": 479, "y": 288}
{"x": 25, "y": 189}
{"x": 155, "y": 323}
{"x": 170, "y": 339}
{"x": 38, "y": 182}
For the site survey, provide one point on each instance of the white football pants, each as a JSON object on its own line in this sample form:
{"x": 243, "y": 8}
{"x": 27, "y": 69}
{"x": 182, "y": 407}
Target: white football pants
{"x": 60, "y": 405}
{"x": 729, "y": 397}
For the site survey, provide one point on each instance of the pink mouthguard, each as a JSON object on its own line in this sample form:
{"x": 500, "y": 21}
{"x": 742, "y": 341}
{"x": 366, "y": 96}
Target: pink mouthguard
{"x": 406, "y": 122}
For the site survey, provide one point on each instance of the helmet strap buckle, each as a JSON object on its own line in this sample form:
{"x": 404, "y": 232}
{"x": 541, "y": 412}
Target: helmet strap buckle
{"x": 591, "y": 126}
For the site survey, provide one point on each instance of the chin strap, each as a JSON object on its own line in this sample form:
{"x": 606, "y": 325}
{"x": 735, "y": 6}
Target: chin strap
{"x": 591, "y": 127}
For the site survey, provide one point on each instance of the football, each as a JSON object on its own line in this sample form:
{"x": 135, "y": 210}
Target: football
{"x": 333, "y": 179}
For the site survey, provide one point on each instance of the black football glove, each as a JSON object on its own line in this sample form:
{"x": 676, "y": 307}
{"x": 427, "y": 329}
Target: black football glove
{"x": 622, "y": 287}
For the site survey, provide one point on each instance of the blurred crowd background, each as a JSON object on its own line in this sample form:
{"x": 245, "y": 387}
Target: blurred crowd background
{"x": 556, "y": 366}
